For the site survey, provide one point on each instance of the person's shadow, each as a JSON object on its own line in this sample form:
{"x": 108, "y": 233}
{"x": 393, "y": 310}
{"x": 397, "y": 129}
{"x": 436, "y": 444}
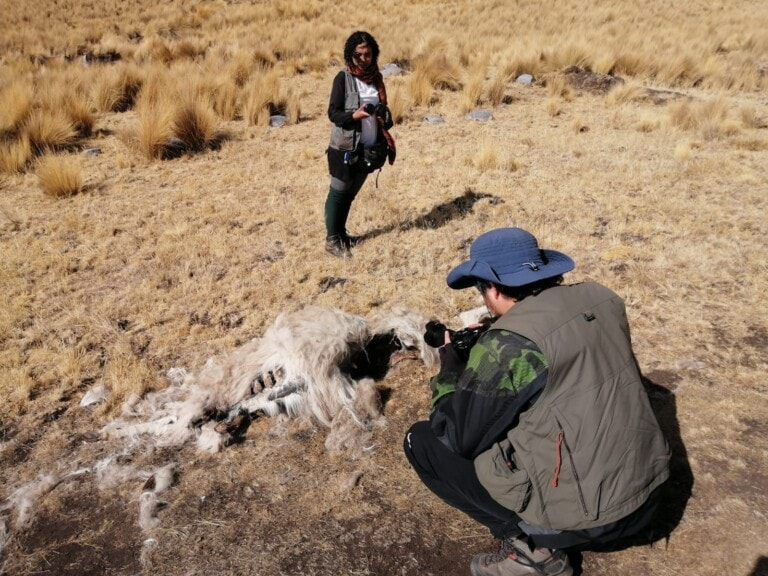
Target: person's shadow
{"x": 679, "y": 487}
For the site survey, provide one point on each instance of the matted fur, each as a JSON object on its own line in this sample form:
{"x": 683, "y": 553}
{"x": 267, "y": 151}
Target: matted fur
{"x": 302, "y": 366}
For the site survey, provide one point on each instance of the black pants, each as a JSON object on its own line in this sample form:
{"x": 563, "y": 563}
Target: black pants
{"x": 453, "y": 479}
{"x": 346, "y": 182}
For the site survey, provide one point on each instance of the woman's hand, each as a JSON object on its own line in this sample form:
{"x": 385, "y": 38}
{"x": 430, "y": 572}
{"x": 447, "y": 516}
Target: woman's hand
{"x": 360, "y": 113}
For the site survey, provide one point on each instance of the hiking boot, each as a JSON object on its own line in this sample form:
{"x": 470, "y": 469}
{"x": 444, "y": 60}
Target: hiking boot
{"x": 515, "y": 558}
{"x": 336, "y": 247}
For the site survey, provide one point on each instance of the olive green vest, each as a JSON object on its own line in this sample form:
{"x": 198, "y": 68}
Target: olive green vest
{"x": 589, "y": 451}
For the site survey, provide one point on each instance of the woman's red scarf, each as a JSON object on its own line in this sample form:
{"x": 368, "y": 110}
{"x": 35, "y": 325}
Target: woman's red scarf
{"x": 373, "y": 77}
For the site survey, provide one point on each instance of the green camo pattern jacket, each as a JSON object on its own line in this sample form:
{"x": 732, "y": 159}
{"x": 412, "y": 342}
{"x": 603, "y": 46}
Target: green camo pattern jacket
{"x": 475, "y": 404}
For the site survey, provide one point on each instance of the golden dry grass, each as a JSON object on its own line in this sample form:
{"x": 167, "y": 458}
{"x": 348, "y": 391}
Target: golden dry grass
{"x": 658, "y": 189}
{"x": 59, "y": 175}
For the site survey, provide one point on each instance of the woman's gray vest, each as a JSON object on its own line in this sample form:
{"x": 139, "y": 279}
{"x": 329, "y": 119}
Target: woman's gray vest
{"x": 589, "y": 451}
{"x": 343, "y": 138}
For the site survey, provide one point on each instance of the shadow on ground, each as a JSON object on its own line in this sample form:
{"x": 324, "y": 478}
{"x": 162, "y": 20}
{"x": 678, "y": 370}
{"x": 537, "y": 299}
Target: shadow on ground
{"x": 437, "y": 217}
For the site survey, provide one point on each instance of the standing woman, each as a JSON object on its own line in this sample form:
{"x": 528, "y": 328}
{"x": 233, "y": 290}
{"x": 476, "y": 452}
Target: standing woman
{"x": 357, "y": 88}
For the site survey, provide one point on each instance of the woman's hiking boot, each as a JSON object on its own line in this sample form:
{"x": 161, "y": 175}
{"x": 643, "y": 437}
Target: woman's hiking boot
{"x": 515, "y": 558}
{"x": 335, "y": 246}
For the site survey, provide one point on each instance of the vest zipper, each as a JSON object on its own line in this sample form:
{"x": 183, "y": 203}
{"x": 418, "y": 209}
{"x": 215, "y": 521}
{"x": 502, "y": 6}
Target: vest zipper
{"x": 561, "y": 440}
{"x": 558, "y": 458}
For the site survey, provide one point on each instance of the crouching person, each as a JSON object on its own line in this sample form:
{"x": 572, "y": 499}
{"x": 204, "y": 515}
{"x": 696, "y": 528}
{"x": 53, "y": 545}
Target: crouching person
{"x": 545, "y": 433}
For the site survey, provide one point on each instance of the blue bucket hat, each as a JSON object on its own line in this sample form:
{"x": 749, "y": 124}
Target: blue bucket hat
{"x": 510, "y": 257}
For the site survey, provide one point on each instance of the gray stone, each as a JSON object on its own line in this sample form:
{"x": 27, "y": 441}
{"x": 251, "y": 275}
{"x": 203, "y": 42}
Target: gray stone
{"x": 278, "y": 121}
{"x": 524, "y": 79}
{"x": 480, "y": 115}
{"x": 434, "y": 119}
{"x": 92, "y": 151}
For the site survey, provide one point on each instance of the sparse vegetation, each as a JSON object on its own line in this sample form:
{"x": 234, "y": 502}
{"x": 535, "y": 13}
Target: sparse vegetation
{"x": 183, "y": 245}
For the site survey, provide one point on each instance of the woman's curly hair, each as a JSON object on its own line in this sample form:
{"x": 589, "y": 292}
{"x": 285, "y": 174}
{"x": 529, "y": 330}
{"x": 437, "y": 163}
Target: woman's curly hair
{"x": 355, "y": 40}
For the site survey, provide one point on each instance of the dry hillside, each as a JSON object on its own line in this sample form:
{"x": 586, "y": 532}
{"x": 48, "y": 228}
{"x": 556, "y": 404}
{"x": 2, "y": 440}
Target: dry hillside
{"x": 153, "y": 215}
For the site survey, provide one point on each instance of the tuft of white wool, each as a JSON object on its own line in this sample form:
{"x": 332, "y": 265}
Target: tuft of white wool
{"x": 352, "y": 427}
{"x": 3, "y": 536}
{"x": 209, "y": 440}
{"x": 24, "y": 499}
{"x": 109, "y": 473}
{"x": 148, "y": 507}
{"x": 164, "y": 477}
{"x": 145, "y": 557}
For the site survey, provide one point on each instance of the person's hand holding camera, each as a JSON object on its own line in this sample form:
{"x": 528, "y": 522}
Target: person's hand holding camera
{"x": 365, "y": 111}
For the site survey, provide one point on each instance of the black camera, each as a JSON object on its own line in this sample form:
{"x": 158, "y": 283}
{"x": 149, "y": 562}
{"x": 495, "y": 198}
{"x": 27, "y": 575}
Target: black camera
{"x": 381, "y": 111}
{"x": 462, "y": 340}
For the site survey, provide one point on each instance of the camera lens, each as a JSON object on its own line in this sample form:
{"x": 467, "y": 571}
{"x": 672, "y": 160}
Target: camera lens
{"x": 369, "y": 108}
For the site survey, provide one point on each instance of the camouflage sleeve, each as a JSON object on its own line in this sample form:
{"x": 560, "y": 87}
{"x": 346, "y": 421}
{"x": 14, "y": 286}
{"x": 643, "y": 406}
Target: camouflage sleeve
{"x": 476, "y": 407}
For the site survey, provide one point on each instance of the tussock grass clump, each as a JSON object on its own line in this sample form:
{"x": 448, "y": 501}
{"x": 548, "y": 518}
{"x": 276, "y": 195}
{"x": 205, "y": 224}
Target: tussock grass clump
{"x": 684, "y": 150}
{"x": 750, "y": 118}
{"x": 194, "y": 124}
{"x": 488, "y": 158}
{"x": 116, "y": 89}
{"x": 155, "y": 129}
{"x": 154, "y": 50}
{"x": 496, "y": 90}
{"x": 473, "y": 92}
{"x": 515, "y": 62}
{"x": 557, "y": 87}
{"x": 59, "y": 176}
{"x": 224, "y": 94}
{"x": 264, "y": 97}
{"x": 174, "y": 119}
{"x": 49, "y": 130}
{"x": 433, "y": 69}
{"x": 261, "y": 92}
{"x": 15, "y": 154}
{"x": 15, "y": 106}
{"x": 397, "y": 102}
{"x": 708, "y": 118}
{"x": 647, "y": 123}
{"x": 623, "y": 93}
{"x": 77, "y": 109}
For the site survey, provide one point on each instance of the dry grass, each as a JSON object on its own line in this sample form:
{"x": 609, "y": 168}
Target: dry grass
{"x": 15, "y": 106}
{"x": 662, "y": 198}
{"x": 49, "y": 130}
{"x": 59, "y": 176}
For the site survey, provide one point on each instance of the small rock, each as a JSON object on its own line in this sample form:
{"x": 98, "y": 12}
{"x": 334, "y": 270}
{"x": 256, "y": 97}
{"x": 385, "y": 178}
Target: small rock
{"x": 278, "y": 121}
{"x": 92, "y": 152}
{"x": 434, "y": 119}
{"x": 480, "y": 115}
{"x": 94, "y": 396}
{"x": 524, "y": 79}
{"x": 690, "y": 365}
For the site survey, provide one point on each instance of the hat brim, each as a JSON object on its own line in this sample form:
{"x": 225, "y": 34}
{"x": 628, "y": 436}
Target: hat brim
{"x": 468, "y": 273}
